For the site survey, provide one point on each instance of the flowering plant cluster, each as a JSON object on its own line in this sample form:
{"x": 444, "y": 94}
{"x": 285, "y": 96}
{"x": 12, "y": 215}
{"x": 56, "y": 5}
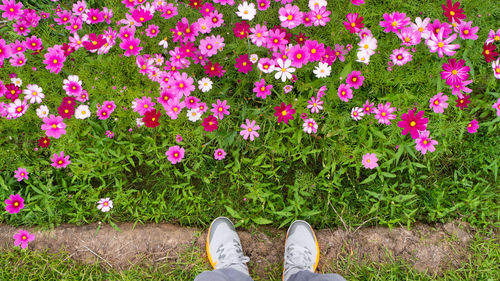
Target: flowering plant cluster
{"x": 218, "y": 85}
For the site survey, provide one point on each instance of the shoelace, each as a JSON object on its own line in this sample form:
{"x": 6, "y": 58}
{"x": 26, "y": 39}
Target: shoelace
{"x": 230, "y": 254}
{"x": 298, "y": 257}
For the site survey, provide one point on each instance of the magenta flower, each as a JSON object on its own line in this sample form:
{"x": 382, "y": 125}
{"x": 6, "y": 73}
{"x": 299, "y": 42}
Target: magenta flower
{"x": 54, "y": 59}
{"x": 152, "y": 31}
{"x": 182, "y": 83}
{"x": 424, "y": 143}
{"x": 23, "y": 238}
{"x": 442, "y": 46}
{"x": 473, "y": 126}
{"x": 370, "y": 161}
{"x": 249, "y": 130}
{"x": 175, "y": 154}
{"x": 261, "y": 89}
{"x": 220, "y": 109}
{"x": 243, "y": 64}
{"x": 219, "y": 154}
{"x": 368, "y": 108}
{"x": 438, "y": 103}
{"x": 412, "y": 123}
{"x": 496, "y": 106}
{"x": 344, "y": 92}
{"x": 131, "y": 46}
{"x": 21, "y": 174}
{"x": 409, "y": 36}
{"x": 103, "y": 113}
{"x": 143, "y": 105}
{"x": 59, "y": 160}
{"x": 354, "y": 23}
{"x": 299, "y": 55}
{"x": 54, "y": 126}
{"x": 455, "y": 71}
{"x": 14, "y": 204}
{"x": 354, "y": 79}
{"x": 467, "y": 31}
{"x": 284, "y": 112}
{"x": 394, "y": 21}
{"x": 320, "y": 15}
{"x": 11, "y": 9}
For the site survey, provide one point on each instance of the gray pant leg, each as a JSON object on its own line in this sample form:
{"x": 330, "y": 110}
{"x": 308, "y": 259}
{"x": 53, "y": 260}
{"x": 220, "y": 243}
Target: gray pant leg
{"x": 310, "y": 276}
{"x": 225, "y": 274}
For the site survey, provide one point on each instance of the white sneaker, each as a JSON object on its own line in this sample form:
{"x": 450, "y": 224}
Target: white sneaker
{"x": 224, "y": 246}
{"x": 301, "y": 249}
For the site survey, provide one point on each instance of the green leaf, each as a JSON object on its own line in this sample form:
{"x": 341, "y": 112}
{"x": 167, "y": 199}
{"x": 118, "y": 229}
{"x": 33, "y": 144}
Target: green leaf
{"x": 261, "y": 220}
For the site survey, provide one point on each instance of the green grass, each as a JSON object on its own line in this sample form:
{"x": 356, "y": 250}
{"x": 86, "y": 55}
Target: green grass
{"x": 283, "y": 175}
{"x": 483, "y": 264}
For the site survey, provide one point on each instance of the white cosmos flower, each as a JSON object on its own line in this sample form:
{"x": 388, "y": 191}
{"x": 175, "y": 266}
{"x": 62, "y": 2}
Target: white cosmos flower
{"x": 284, "y": 71}
{"x": 105, "y": 205}
{"x": 363, "y": 57}
{"x": 194, "y": 115}
{"x": 17, "y": 81}
{"x": 357, "y": 113}
{"x": 254, "y": 58}
{"x": 33, "y": 94}
{"x": 164, "y": 43}
{"x": 42, "y": 111}
{"x": 368, "y": 45}
{"x": 322, "y": 70}
{"x": 205, "y": 84}
{"x": 82, "y": 112}
{"x": 246, "y": 11}
{"x": 314, "y": 3}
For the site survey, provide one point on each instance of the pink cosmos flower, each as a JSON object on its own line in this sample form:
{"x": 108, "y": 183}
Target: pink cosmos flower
{"x": 208, "y": 46}
{"x": 249, "y": 130}
{"x": 105, "y": 205}
{"x": 424, "y": 143}
{"x": 59, "y": 160}
{"x": 315, "y": 105}
{"x": 11, "y": 9}
{"x": 461, "y": 86}
{"x": 219, "y": 154}
{"x": 126, "y": 32}
{"x": 493, "y": 36}
{"x": 21, "y": 174}
{"x": 319, "y": 16}
{"x": 261, "y": 89}
{"x": 18, "y": 60}
{"x": 143, "y": 105}
{"x": 409, "y": 36}
{"x": 400, "y": 56}
{"x": 182, "y": 83}
{"x": 152, "y": 31}
{"x": 258, "y": 35}
{"x": 394, "y": 21}
{"x": 344, "y": 92}
{"x": 175, "y": 154}
{"x": 290, "y": 16}
{"x": 14, "y": 204}
{"x": 23, "y": 237}
{"x": 276, "y": 40}
{"x": 412, "y": 123}
{"x": 496, "y": 68}
{"x": 72, "y": 85}
{"x": 54, "y": 126}
{"x": 358, "y": 2}
{"x": 103, "y": 113}
{"x": 178, "y": 138}
{"x": 354, "y": 22}
{"x": 455, "y": 71}
{"x": 220, "y": 109}
{"x": 284, "y": 112}
{"x": 442, "y": 46}
{"x": 368, "y": 108}
{"x": 496, "y": 106}
{"x": 467, "y": 31}
{"x": 54, "y": 59}
{"x": 370, "y": 161}
{"x": 18, "y": 108}
{"x": 316, "y": 50}
{"x": 310, "y": 126}
{"x": 266, "y": 65}
{"x": 340, "y": 52}
{"x": 438, "y": 103}
{"x": 473, "y": 126}
{"x": 174, "y": 108}
{"x": 131, "y": 46}
{"x": 299, "y": 55}
{"x": 355, "y": 79}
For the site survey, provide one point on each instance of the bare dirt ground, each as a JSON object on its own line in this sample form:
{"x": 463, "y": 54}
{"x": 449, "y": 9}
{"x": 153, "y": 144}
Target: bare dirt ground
{"x": 428, "y": 248}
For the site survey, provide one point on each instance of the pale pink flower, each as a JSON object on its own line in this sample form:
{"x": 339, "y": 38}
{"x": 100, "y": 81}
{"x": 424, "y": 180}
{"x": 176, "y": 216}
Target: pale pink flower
{"x": 249, "y": 130}
{"x": 60, "y": 160}
{"x": 438, "y": 103}
{"x": 370, "y": 161}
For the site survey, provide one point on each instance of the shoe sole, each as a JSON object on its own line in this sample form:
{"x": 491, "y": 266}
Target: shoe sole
{"x": 315, "y": 241}
{"x": 212, "y": 263}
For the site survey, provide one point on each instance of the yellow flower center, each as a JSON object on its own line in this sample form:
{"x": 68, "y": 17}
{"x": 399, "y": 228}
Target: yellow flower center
{"x": 283, "y": 112}
{"x": 394, "y": 23}
{"x": 440, "y": 44}
{"x": 313, "y": 51}
{"x": 54, "y": 61}
{"x": 54, "y": 126}
{"x": 290, "y": 17}
{"x": 383, "y": 114}
{"x": 413, "y": 123}
{"x": 452, "y": 13}
{"x": 16, "y": 204}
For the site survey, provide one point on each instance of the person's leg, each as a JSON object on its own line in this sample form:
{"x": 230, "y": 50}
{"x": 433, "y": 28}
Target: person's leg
{"x": 309, "y": 276}
{"x": 225, "y": 254}
{"x": 302, "y": 255}
{"x": 225, "y": 274}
